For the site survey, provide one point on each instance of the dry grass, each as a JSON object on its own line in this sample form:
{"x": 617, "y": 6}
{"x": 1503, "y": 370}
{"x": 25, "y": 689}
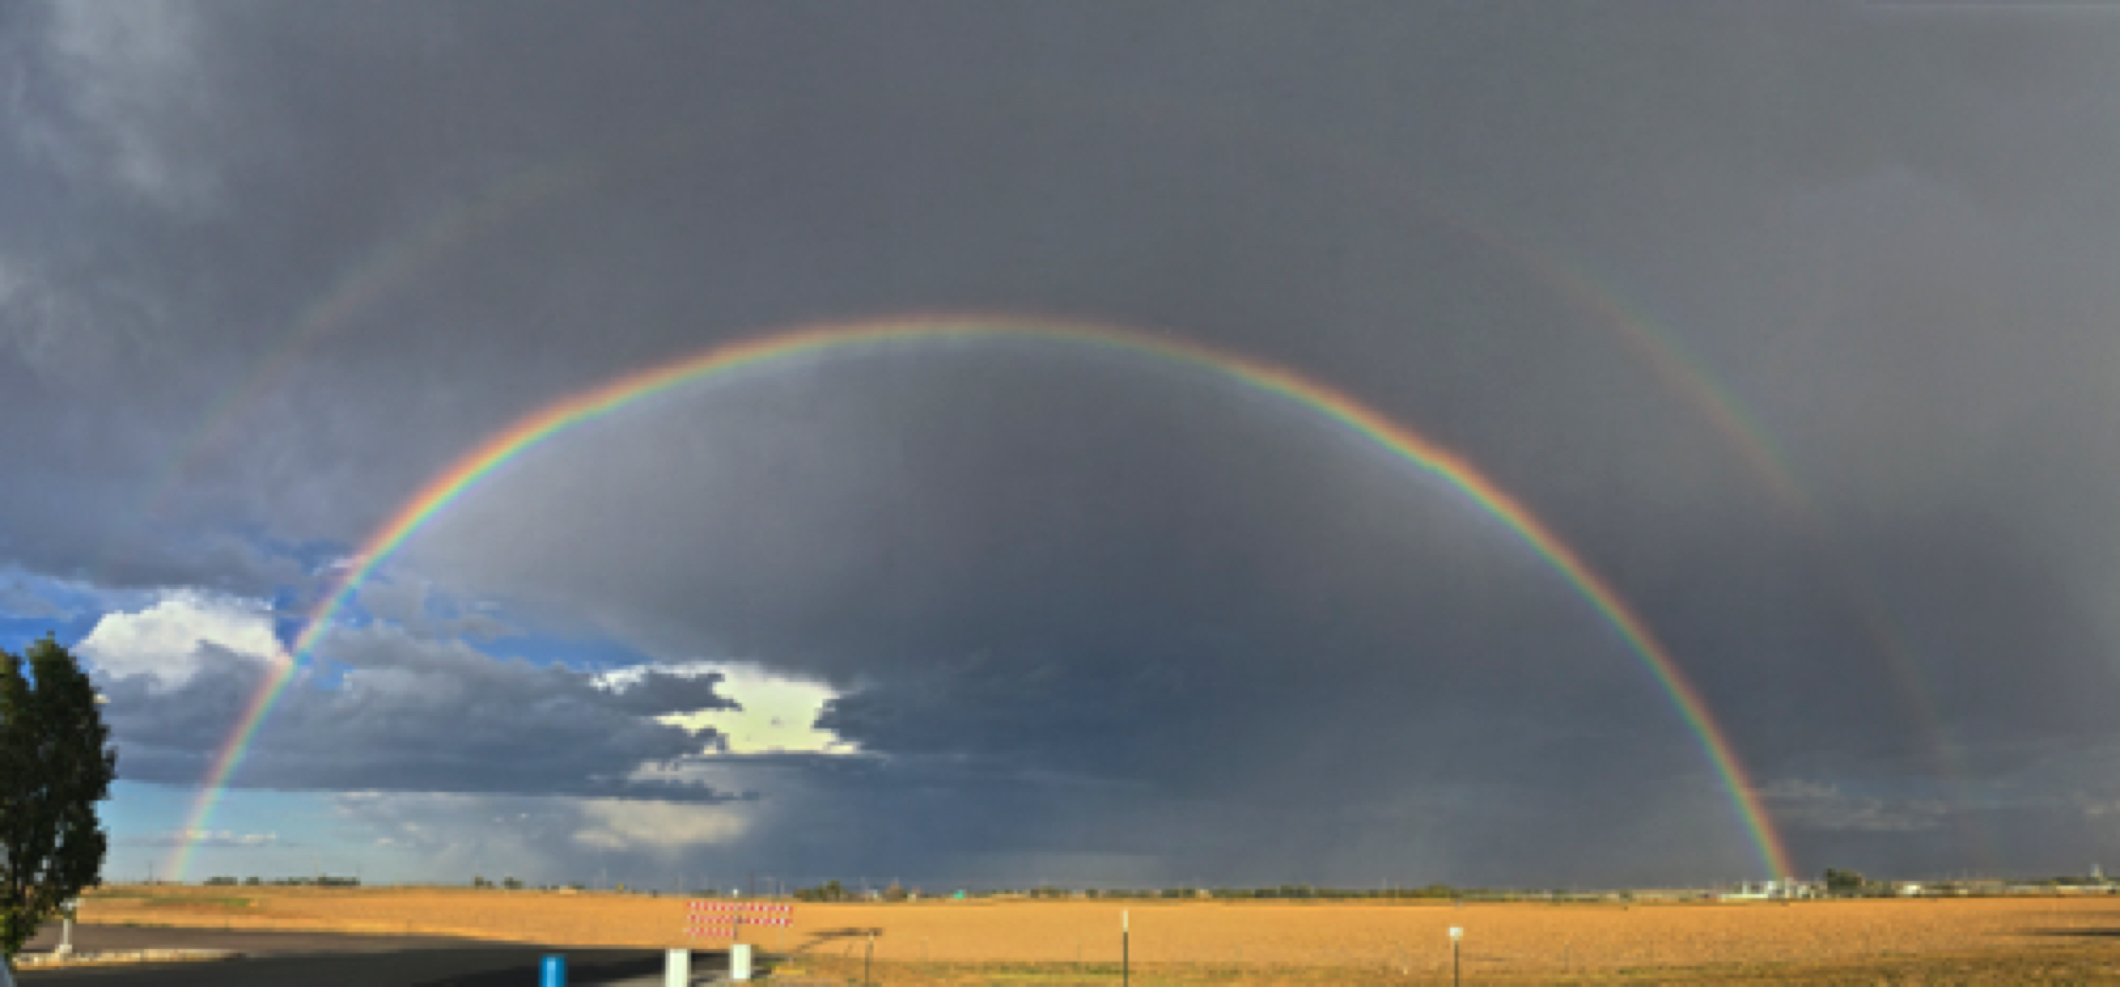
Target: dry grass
{"x": 1251, "y": 942}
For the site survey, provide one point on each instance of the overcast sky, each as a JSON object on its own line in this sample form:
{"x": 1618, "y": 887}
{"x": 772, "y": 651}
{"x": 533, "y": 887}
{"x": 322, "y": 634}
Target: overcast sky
{"x": 1795, "y": 321}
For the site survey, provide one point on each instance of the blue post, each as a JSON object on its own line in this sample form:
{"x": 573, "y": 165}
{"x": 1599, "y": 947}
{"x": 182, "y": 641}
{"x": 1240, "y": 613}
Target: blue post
{"x": 553, "y": 973}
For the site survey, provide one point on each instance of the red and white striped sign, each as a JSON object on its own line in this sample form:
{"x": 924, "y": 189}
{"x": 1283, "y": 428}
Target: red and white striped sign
{"x": 746, "y": 908}
{"x": 723, "y": 918}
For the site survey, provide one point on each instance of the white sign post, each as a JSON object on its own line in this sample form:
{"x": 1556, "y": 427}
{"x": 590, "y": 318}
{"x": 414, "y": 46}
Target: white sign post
{"x": 677, "y": 971}
{"x": 1456, "y": 934}
{"x": 66, "y": 928}
{"x": 1126, "y": 949}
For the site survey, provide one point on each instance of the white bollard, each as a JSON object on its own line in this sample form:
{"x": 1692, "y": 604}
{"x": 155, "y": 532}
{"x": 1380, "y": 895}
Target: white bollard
{"x": 740, "y": 961}
{"x": 677, "y": 972}
{"x": 66, "y": 937}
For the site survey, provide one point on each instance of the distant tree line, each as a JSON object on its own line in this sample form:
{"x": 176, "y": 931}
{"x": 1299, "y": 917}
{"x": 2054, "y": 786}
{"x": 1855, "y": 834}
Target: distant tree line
{"x": 1307, "y": 891}
{"x": 836, "y": 891}
{"x": 320, "y": 881}
{"x": 1854, "y": 884}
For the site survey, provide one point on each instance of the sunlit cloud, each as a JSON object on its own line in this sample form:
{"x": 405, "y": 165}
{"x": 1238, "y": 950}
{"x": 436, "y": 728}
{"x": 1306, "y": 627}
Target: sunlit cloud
{"x": 183, "y": 633}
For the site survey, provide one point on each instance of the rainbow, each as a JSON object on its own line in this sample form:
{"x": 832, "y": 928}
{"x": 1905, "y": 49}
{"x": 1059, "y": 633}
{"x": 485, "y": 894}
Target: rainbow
{"x": 1726, "y": 413}
{"x": 761, "y": 351}
{"x": 1681, "y": 373}
{"x": 381, "y": 273}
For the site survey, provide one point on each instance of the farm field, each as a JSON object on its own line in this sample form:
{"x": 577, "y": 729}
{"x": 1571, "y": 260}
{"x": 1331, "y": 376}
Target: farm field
{"x": 1993, "y": 940}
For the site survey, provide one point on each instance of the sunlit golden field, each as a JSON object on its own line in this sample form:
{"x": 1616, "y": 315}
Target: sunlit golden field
{"x": 933, "y": 941}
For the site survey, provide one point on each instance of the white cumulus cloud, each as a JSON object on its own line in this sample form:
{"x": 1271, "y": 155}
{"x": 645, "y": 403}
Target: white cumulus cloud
{"x": 184, "y": 632}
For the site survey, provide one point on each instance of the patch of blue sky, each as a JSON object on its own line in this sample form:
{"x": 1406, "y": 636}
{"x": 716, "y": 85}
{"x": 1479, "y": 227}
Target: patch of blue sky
{"x": 314, "y": 557}
{"x": 486, "y": 626}
{"x": 580, "y": 652}
{"x": 289, "y": 616}
{"x": 33, "y": 605}
{"x": 254, "y": 832}
{"x": 325, "y": 674}
{"x": 17, "y": 633}
{"x": 509, "y": 629}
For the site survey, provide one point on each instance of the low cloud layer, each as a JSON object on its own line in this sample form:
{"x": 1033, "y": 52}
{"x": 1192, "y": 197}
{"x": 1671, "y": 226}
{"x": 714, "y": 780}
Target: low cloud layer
{"x": 378, "y": 708}
{"x": 208, "y": 839}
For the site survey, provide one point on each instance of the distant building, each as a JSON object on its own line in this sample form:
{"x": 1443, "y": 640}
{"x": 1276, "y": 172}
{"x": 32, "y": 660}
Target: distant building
{"x": 1770, "y": 891}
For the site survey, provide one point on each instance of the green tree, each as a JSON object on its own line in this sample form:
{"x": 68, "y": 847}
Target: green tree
{"x": 1845, "y": 881}
{"x": 55, "y": 765}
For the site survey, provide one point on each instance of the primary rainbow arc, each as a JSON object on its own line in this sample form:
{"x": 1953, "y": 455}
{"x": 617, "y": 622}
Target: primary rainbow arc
{"x": 1281, "y": 382}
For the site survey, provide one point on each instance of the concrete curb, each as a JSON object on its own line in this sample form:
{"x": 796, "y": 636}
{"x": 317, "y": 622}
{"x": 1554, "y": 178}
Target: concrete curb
{"x": 26, "y": 961}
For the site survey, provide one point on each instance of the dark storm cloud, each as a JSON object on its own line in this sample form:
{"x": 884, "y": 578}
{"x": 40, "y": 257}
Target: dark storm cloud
{"x": 1887, "y": 235}
{"x": 404, "y": 714}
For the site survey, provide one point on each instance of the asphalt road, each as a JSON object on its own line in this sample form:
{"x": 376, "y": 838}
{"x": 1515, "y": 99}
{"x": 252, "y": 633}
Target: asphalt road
{"x": 328, "y": 960}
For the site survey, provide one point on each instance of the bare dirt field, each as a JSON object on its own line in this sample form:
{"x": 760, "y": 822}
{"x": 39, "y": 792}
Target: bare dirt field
{"x": 1973, "y": 940}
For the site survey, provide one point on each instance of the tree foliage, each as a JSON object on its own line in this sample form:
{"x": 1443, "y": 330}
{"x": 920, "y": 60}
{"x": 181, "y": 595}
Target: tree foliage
{"x": 55, "y": 765}
{"x": 828, "y": 891}
{"x": 1845, "y": 881}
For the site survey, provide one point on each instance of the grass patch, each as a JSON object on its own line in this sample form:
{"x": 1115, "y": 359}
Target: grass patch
{"x": 202, "y": 902}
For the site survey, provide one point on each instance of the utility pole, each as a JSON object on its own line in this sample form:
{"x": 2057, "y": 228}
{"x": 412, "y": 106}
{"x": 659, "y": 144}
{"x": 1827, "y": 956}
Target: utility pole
{"x": 1126, "y": 949}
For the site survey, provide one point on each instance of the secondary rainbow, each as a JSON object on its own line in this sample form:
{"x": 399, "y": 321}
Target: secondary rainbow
{"x": 383, "y": 272}
{"x": 1685, "y": 375}
{"x": 762, "y": 351}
